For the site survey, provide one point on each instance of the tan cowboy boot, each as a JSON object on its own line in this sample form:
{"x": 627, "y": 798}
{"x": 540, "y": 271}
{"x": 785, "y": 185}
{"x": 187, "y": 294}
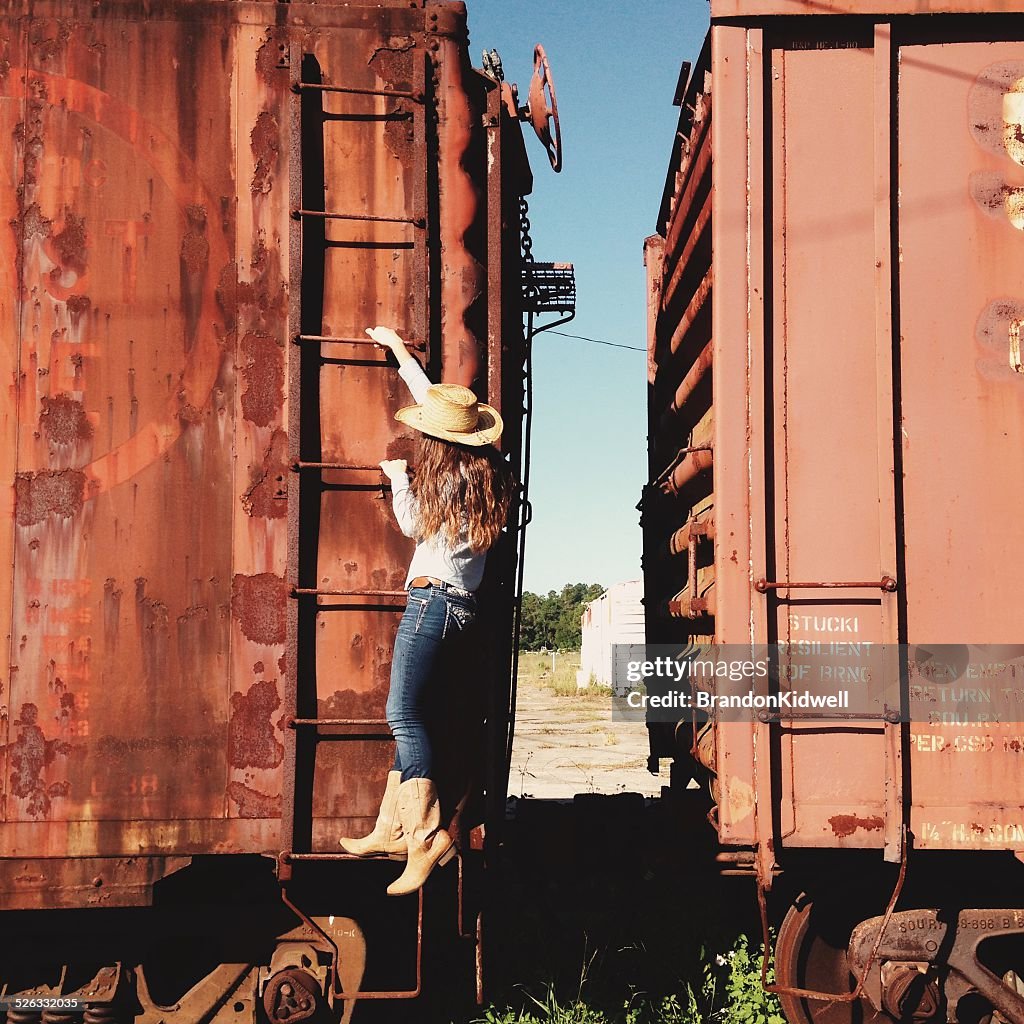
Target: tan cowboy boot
{"x": 386, "y": 839}
{"x": 428, "y": 843}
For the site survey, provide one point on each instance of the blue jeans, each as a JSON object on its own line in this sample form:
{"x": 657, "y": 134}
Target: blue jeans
{"x": 432, "y": 620}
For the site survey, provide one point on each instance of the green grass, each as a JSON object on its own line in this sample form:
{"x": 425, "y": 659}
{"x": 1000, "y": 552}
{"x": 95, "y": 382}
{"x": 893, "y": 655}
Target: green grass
{"x": 727, "y": 991}
{"x": 535, "y": 670}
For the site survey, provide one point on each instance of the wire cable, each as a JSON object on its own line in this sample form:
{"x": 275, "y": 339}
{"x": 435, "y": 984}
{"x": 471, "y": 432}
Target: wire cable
{"x": 600, "y": 341}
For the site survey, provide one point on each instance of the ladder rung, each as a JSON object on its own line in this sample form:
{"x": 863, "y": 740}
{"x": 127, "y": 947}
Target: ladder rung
{"x": 419, "y": 345}
{"x": 287, "y": 856}
{"x": 404, "y": 94}
{"x": 419, "y": 222}
{"x": 311, "y": 591}
{"x": 296, "y": 466}
{"x": 377, "y": 722}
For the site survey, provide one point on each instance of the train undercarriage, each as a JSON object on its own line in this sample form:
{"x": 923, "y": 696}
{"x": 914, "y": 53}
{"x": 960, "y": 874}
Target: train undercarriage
{"x": 221, "y": 946}
{"x": 926, "y": 941}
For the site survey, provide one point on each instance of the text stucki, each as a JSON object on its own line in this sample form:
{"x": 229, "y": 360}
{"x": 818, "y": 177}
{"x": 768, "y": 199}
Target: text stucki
{"x": 702, "y": 699}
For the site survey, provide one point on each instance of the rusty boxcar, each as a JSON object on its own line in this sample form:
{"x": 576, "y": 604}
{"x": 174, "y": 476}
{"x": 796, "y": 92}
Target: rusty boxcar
{"x": 836, "y": 418}
{"x": 204, "y": 206}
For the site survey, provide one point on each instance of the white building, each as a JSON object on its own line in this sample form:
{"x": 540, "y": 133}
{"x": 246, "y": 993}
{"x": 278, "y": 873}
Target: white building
{"x": 616, "y": 617}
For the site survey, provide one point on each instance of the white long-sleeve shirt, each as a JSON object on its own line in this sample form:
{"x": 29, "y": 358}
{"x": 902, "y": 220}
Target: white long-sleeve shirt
{"x": 456, "y": 565}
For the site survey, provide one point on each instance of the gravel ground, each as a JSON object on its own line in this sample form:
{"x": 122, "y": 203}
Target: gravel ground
{"x": 566, "y": 745}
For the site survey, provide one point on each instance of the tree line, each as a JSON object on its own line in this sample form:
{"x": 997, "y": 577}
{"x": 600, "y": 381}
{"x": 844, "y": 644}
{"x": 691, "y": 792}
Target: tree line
{"x": 554, "y": 621}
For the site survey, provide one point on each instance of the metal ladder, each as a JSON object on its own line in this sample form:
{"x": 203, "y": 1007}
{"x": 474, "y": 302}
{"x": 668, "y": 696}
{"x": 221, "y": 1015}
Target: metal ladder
{"x": 308, "y": 244}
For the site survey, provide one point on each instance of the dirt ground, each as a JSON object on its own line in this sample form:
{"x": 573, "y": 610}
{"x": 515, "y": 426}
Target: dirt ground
{"x": 566, "y": 743}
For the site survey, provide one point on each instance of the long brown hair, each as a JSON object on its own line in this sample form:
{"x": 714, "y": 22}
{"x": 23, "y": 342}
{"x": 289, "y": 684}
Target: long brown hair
{"x": 461, "y": 488}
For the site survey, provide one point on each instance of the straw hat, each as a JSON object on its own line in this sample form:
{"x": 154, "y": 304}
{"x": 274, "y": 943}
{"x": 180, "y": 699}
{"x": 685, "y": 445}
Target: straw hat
{"x": 452, "y": 413}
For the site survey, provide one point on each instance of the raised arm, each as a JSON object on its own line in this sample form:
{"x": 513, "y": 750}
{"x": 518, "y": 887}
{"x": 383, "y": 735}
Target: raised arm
{"x": 408, "y": 368}
{"x": 388, "y": 338}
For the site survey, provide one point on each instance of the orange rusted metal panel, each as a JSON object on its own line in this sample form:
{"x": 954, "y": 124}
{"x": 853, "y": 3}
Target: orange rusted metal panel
{"x": 122, "y": 561}
{"x": 144, "y": 441}
{"x": 822, "y": 463}
{"x": 961, "y": 305}
{"x": 865, "y": 325}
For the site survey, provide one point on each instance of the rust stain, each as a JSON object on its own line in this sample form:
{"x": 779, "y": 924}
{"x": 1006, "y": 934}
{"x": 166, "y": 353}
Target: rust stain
{"x": 28, "y": 135}
{"x": 253, "y": 804}
{"x": 77, "y": 306}
{"x": 187, "y": 412}
{"x": 266, "y": 496}
{"x": 111, "y": 613}
{"x": 985, "y": 102}
{"x": 382, "y": 670}
{"x": 29, "y": 756}
{"x": 29, "y": 879}
{"x": 167, "y": 747}
{"x": 358, "y": 652}
{"x": 395, "y": 66}
{"x": 195, "y": 258}
{"x": 193, "y": 641}
{"x": 998, "y": 334}
{"x": 844, "y": 825}
{"x": 267, "y": 293}
{"x": 30, "y": 222}
{"x": 226, "y": 294}
{"x": 195, "y": 247}
{"x": 34, "y": 224}
{"x": 399, "y": 137}
{"x": 393, "y": 63}
{"x": 154, "y": 630}
{"x": 264, "y": 378}
{"x": 266, "y": 145}
{"x": 71, "y": 243}
{"x": 269, "y": 57}
{"x": 387, "y": 579}
{"x": 49, "y": 38}
{"x": 64, "y": 421}
{"x": 352, "y": 703}
{"x": 990, "y": 191}
{"x": 251, "y": 739}
{"x": 260, "y": 604}
{"x": 38, "y": 495}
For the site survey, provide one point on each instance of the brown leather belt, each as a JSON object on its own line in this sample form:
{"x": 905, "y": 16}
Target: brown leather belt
{"x": 426, "y": 581}
{"x": 430, "y": 581}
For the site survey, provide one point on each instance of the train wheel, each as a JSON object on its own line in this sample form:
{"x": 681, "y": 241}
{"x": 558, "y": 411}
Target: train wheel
{"x": 811, "y": 954}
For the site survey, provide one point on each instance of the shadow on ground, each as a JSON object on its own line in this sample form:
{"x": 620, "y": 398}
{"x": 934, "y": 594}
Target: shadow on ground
{"x": 618, "y": 891}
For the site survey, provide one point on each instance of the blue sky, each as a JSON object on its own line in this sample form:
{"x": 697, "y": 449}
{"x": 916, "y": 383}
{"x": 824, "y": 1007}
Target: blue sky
{"x": 615, "y": 67}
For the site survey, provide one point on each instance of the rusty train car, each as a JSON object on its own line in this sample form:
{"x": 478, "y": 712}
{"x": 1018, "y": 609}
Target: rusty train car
{"x": 204, "y": 206}
{"x": 836, "y": 416}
